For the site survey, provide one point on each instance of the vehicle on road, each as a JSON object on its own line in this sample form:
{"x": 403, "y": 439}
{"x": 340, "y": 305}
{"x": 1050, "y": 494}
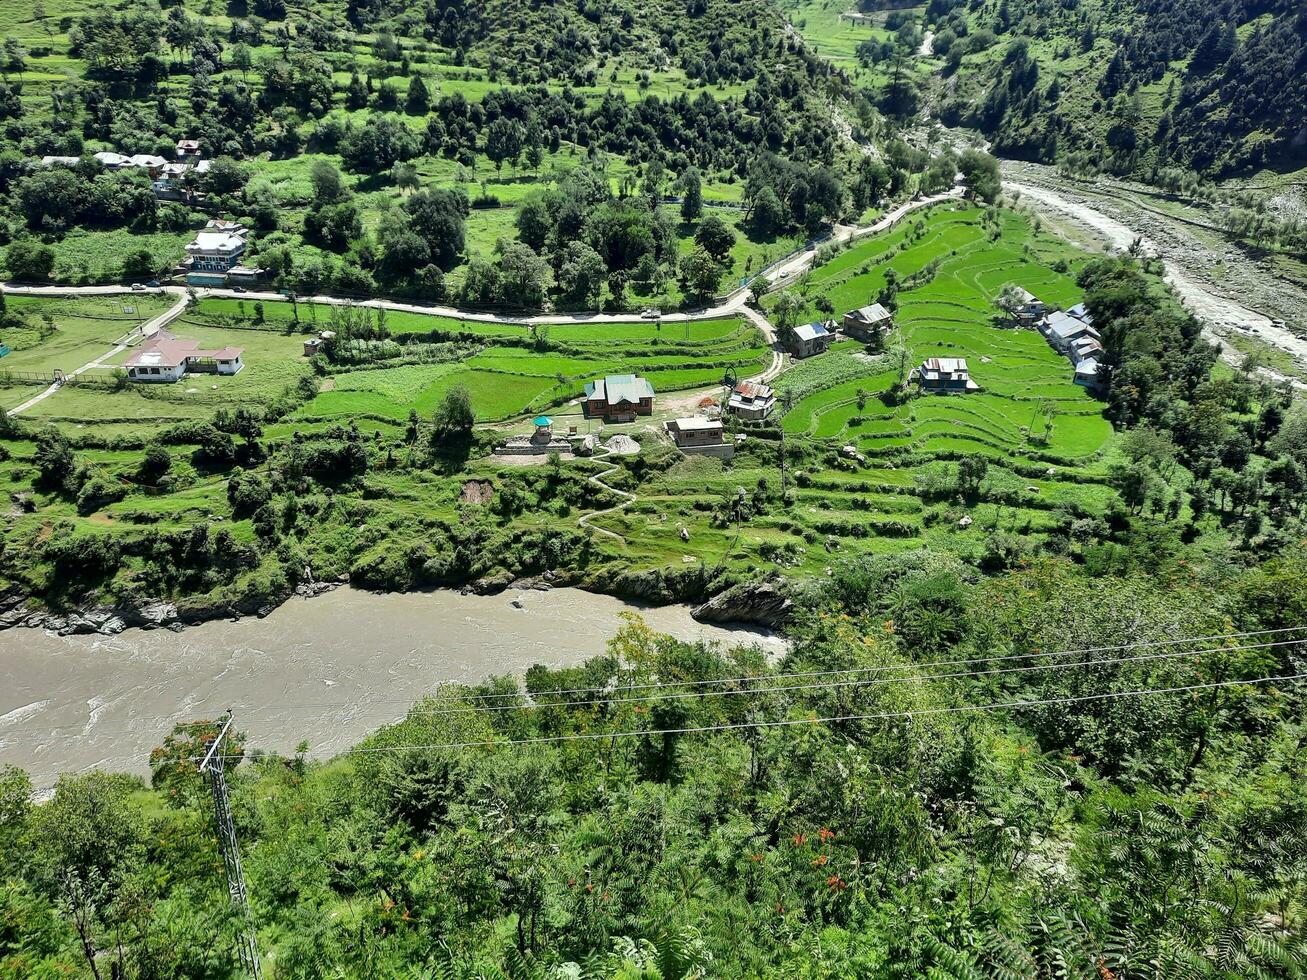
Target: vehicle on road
{"x": 138, "y": 287}
{"x": 153, "y": 284}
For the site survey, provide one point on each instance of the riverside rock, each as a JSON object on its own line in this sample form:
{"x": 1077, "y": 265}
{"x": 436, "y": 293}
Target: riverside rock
{"x": 765, "y": 603}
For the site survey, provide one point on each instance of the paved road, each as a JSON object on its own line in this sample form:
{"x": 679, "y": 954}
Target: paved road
{"x": 148, "y": 329}
{"x": 781, "y": 273}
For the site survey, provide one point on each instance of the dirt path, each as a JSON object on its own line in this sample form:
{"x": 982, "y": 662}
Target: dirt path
{"x": 146, "y": 330}
{"x": 1184, "y": 256}
{"x": 627, "y": 500}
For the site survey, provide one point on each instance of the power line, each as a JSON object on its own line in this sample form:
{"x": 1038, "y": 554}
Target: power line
{"x": 648, "y": 685}
{"x": 795, "y": 722}
{"x": 829, "y": 685}
{"x": 766, "y": 679}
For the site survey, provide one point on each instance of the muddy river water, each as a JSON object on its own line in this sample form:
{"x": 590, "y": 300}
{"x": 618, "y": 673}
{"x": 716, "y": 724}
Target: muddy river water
{"x": 327, "y": 670}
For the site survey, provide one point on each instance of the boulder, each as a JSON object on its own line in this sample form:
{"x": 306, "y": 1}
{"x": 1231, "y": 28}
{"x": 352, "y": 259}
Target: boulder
{"x": 765, "y": 603}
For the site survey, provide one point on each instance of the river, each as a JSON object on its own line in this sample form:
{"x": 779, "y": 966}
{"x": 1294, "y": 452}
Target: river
{"x": 327, "y": 670}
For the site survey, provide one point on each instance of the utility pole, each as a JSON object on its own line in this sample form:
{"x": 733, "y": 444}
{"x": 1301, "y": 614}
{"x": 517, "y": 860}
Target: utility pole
{"x": 214, "y": 765}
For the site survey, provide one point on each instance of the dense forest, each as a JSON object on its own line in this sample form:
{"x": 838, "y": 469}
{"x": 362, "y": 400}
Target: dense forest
{"x": 673, "y": 811}
{"x": 1137, "y": 87}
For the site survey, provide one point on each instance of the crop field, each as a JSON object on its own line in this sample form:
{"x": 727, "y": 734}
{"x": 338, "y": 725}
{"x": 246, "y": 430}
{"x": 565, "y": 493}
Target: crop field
{"x": 1028, "y": 403}
{"x": 1045, "y": 439}
{"x": 507, "y": 378}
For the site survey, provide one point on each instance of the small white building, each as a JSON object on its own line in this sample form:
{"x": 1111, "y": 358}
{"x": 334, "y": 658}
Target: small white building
{"x": 188, "y": 149}
{"x": 166, "y": 358}
{"x": 58, "y": 161}
{"x": 112, "y": 161}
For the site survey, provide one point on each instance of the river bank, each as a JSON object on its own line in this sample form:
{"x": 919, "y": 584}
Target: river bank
{"x": 1237, "y": 294}
{"x": 327, "y": 670}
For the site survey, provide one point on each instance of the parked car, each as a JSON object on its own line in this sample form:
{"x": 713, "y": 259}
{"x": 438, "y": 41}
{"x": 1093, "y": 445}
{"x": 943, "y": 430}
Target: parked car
{"x": 153, "y": 284}
{"x": 238, "y": 289}
{"x": 652, "y": 313}
{"x": 138, "y": 287}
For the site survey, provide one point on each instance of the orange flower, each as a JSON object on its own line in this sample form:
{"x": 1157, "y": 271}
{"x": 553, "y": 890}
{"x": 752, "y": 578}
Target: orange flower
{"x": 1103, "y": 972}
{"x": 826, "y": 834}
{"x": 799, "y": 840}
{"x": 836, "y": 883}
{"x": 757, "y": 857}
{"x": 820, "y": 860}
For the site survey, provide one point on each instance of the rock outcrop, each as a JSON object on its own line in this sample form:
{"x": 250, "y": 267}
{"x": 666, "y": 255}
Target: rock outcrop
{"x": 765, "y": 603}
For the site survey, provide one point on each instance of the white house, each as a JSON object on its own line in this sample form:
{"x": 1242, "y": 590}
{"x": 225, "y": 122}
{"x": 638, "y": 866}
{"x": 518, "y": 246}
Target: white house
{"x": 1062, "y": 330}
{"x": 214, "y": 253}
{"x": 112, "y": 161}
{"x": 166, "y": 358}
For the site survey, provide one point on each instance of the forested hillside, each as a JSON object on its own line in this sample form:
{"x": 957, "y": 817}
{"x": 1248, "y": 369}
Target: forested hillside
{"x": 1132, "y": 85}
{"x": 876, "y": 825}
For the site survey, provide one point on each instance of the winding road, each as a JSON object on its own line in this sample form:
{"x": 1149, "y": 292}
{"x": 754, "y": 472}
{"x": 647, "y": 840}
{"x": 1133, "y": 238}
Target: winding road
{"x": 779, "y": 274}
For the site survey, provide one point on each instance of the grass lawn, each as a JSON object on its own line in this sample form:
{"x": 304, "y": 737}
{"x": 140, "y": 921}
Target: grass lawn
{"x": 65, "y": 333}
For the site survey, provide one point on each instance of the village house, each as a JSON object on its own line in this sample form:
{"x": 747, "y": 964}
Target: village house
{"x": 58, "y": 161}
{"x": 1029, "y": 307}
{"x": 810, "y": 339}
{"x": 619, "y": 398}
{"x": 869, "y": 324}
{"x": 700, "y": 436}
{"x": 1087, "y": 374}
{"x": 112, "y": 161}
{"x": 751, "y": 400}
{"x": 1062, "y": 331}
{"x": 188, "y": 149}
{"x": 214, "y": 253}
{"x": 945, "y": 376}
{"x": 166, "y": 358}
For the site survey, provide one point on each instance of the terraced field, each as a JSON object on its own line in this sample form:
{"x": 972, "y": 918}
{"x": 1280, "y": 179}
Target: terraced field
{"x": 1044, "y": 439}
{"x": 1028, "y": 405}
{"x": 507, "y": 378}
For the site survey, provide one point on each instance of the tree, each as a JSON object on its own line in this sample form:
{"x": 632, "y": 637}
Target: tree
{"x": 524, "y": 277}
{"x": 971, "y": 474}
{"x": 155, "y": 465}
{"x": 225, "y": 176}
{"x": 981, "y": 175}
{"x": 691, "y": 195}
{"x": 87, "y": 841}
{"x": 328, "y": 185}
{"x": 439, "y": 215}
{"x": 786, "y": 311}
{"x": 140, "y": 264}
{"x": 53, "y": 457}
{"x": 380, "y": 143}
{"x": 454, "y": 417}
{"x": 715, "y": 237}
{"x": 700, "y": 275}
{"x": 29, "y": 260}
{"x": 581, "y": 274}
{"x": 418, "y": 100}
{"x": 768, "y": 213}
{"x": 505, "y": 139}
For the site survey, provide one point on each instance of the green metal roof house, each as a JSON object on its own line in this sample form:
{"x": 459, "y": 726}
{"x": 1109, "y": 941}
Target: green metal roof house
{"x": 619, "y": 398}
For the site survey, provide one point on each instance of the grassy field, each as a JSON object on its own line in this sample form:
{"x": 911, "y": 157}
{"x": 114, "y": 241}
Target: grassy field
{"x": 1027, "y": 405}
{"x": 1044, "y": 438}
